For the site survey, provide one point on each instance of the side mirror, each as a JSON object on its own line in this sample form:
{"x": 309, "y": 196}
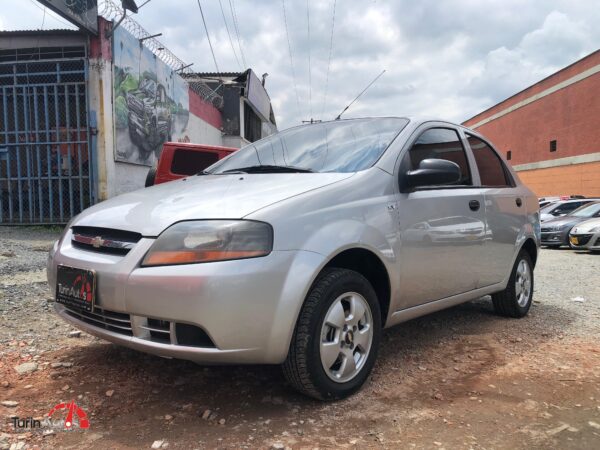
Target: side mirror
{"x": 433, "y": 172}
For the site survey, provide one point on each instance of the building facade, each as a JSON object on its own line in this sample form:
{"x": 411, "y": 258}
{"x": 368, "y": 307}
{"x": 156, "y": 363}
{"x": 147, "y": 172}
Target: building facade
{"x": 84, "y": 116}
{"x": 550, "y": 132}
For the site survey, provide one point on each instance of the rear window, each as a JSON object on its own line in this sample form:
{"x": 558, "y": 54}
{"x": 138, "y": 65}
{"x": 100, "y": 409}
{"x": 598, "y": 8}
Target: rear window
{"x": 190, "y": 162}
{"x": 491, "y": 169}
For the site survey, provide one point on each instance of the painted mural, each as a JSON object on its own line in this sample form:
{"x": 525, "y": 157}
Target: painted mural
{"x": 151, "y": 102}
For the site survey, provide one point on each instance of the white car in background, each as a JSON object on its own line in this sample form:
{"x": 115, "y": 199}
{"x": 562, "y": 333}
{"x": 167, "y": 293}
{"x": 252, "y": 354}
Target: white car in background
{"x": 586, "y": 235}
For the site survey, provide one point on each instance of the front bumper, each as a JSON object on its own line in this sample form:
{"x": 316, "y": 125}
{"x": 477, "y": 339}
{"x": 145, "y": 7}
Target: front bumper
{"x": 585, "y": 241}
{"x": 248, "y": 308}
{"x": 552, "y": 238}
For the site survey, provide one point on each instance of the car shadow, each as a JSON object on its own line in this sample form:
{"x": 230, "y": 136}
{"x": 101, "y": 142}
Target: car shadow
{"x": 417, "y": 353}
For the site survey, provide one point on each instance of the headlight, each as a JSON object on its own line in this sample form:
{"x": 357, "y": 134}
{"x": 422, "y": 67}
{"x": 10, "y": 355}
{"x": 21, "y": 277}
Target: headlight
{"x": 201, "y": 241}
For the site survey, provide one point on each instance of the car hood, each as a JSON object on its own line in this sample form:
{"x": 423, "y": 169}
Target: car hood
{"x": 586, "y": 226}
{"x": 149, "y": 211}
{"x": 560, "y": 222}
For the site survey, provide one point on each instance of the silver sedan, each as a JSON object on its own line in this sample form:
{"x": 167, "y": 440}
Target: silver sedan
{"x": 299, "y": 248}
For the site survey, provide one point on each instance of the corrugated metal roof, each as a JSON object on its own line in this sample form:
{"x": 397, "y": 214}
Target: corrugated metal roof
{"x": 39, "y": 32}
{"x": 215, "y": 74}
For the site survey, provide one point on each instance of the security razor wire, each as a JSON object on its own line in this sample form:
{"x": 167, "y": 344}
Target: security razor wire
{"x": 110, "y": 10}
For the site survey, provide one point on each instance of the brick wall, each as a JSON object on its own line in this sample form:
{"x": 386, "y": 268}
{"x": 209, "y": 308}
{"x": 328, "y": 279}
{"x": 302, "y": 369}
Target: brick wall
{"x": 577, "y": 179}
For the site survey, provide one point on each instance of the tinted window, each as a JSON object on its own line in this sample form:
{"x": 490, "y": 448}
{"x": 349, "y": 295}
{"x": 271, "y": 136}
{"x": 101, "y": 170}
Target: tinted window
{"x": 491, "y": 169}
{"x": 337, "y": 146}
{"x": 441, "y": 143}
{"x": 592, "y": 210}
{"x": 190, "y": 162}
{"x": 566, "y": 208}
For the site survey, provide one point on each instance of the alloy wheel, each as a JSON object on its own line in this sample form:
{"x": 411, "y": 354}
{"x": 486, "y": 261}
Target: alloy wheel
{"x": 346, "y": 337}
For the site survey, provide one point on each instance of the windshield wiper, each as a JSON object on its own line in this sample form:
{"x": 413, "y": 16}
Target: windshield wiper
{"x": 268, "y": 169}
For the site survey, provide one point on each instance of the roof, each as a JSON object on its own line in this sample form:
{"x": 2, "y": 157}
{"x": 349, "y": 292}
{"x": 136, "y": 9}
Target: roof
{"x": 218, "y": 74}
{"x": 55, "y": 32}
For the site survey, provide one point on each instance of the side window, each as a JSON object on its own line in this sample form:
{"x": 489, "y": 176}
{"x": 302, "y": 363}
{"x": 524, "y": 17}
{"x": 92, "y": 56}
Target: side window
{"x": 491, "y": 169}
{"x": 441, "y": 143}
{"x": 566, "y": 208}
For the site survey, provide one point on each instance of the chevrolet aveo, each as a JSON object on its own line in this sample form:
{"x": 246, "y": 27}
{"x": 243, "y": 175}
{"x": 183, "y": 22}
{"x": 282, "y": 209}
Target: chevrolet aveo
{"x": 298, "y": 249}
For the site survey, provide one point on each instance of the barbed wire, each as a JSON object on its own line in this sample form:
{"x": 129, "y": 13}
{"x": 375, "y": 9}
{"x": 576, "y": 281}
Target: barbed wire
{"x": 110, "y": 10}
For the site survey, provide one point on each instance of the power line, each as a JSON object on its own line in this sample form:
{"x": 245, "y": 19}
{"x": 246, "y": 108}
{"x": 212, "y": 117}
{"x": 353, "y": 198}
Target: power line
{"x": 329, "y": 59}
{"x": 237, "y": 32}
{"x": 50, "y": 13}
{"x": 309, "y": 68}
{"x": 228, "y": 34}
{"x": 287, "y": 33}
{"x": 208, "y": 37}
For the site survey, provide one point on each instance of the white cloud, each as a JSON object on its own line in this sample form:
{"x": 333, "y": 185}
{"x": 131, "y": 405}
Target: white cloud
{"x": 449, "y": 59}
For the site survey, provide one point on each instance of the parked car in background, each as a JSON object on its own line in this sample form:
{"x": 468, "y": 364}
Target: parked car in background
{"x": 179, "y": 160}
{"x": 555, "y": 232}
{"x": 586, "y": 235}
{"x": 562, "y": 208}
{"x": 547, "y": 200}
{"x": 291, "y": 251}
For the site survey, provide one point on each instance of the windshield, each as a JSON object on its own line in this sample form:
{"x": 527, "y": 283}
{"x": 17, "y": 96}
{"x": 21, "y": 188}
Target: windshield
{"x": 338, "y": 146}
{"x": 587, "y": 210}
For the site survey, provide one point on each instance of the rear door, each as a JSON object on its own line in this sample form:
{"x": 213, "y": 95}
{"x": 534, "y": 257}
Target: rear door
{"x": 442, "y": 228}
{"x": 505, "y": 211}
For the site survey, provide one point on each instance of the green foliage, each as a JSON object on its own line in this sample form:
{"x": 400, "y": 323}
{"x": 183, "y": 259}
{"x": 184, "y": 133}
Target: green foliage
{"x": 121, "y": 111}
{"x": 129, "y": 83}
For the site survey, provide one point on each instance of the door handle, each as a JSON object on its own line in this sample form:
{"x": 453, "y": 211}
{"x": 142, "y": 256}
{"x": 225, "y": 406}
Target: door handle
{"x": 474, "y": 205}
{"x": 519, "y": 202}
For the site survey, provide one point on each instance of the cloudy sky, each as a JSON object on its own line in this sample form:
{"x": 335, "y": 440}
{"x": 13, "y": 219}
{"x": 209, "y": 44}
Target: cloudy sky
{"x": 450, "y": 58}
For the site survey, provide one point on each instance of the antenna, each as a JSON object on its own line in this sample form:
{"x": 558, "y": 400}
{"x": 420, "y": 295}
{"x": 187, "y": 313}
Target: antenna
{"x": 358, "y": 96}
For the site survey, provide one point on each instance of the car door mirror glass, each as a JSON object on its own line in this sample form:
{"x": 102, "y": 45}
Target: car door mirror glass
{"x": 433, "y": 172}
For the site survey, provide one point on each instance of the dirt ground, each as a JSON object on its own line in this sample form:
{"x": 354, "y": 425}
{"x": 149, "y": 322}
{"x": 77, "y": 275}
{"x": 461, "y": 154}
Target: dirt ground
{"x": 461, "y": 378}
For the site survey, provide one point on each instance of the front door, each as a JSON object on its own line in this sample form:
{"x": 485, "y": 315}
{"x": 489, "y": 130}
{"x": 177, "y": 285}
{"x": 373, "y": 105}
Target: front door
{"x": 442, "y": 228}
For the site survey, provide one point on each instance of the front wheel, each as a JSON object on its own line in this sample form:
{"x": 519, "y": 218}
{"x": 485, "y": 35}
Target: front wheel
{"x": 515, "y": 300}
{"x": 337, "y": 336}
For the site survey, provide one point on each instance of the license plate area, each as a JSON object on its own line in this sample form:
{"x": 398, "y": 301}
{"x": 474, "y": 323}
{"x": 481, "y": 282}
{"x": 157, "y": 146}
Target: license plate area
{"x": 76, "y": 288}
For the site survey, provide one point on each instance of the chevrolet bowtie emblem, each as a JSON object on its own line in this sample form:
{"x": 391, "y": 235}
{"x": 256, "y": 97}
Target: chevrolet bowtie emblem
{"x": 97, "y": 242}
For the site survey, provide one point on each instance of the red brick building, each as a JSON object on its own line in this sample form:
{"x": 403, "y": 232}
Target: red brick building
{"x": 550, "y": 132}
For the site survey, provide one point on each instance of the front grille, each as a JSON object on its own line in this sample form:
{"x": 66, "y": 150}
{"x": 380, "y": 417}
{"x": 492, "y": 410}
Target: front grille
{"x": 104, "y": 240}
{"x": 155, "y": 330}
{"x": 160, "y": 330}
{"x": 103, "y": 318}
{"x": 583, "y": 239}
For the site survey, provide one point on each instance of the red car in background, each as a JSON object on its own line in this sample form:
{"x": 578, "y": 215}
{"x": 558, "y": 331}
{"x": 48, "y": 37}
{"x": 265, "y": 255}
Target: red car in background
{"x": 180, "y": 160}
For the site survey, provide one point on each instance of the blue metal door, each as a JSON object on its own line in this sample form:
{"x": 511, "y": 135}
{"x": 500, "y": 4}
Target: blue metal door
{"x": 45, "y": 160}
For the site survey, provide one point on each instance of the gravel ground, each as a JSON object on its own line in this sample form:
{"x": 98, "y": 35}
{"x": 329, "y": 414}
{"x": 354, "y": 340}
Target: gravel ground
{"x": 460, "y": 378}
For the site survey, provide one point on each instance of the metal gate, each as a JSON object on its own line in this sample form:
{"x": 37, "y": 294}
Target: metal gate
{"x": 45, "y": 160}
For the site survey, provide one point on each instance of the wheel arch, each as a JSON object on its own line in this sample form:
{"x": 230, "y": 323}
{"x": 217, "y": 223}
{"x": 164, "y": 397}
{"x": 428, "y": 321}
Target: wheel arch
{"x": 532, "y": 250}
{"x": 369, "y": 265}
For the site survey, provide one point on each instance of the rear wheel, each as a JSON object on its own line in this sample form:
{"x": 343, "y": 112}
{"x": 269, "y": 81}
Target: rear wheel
{"x": 515, "y": 300}
{"x": 150, "y": 177}
{"x": 337, "y": 335}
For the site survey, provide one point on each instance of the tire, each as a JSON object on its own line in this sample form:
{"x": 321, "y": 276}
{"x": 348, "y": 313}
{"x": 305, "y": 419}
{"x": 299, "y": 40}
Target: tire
{"x": 510, "y": 302}
{"x": 304, "y": 369}
{"x": 150, "y": 177}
